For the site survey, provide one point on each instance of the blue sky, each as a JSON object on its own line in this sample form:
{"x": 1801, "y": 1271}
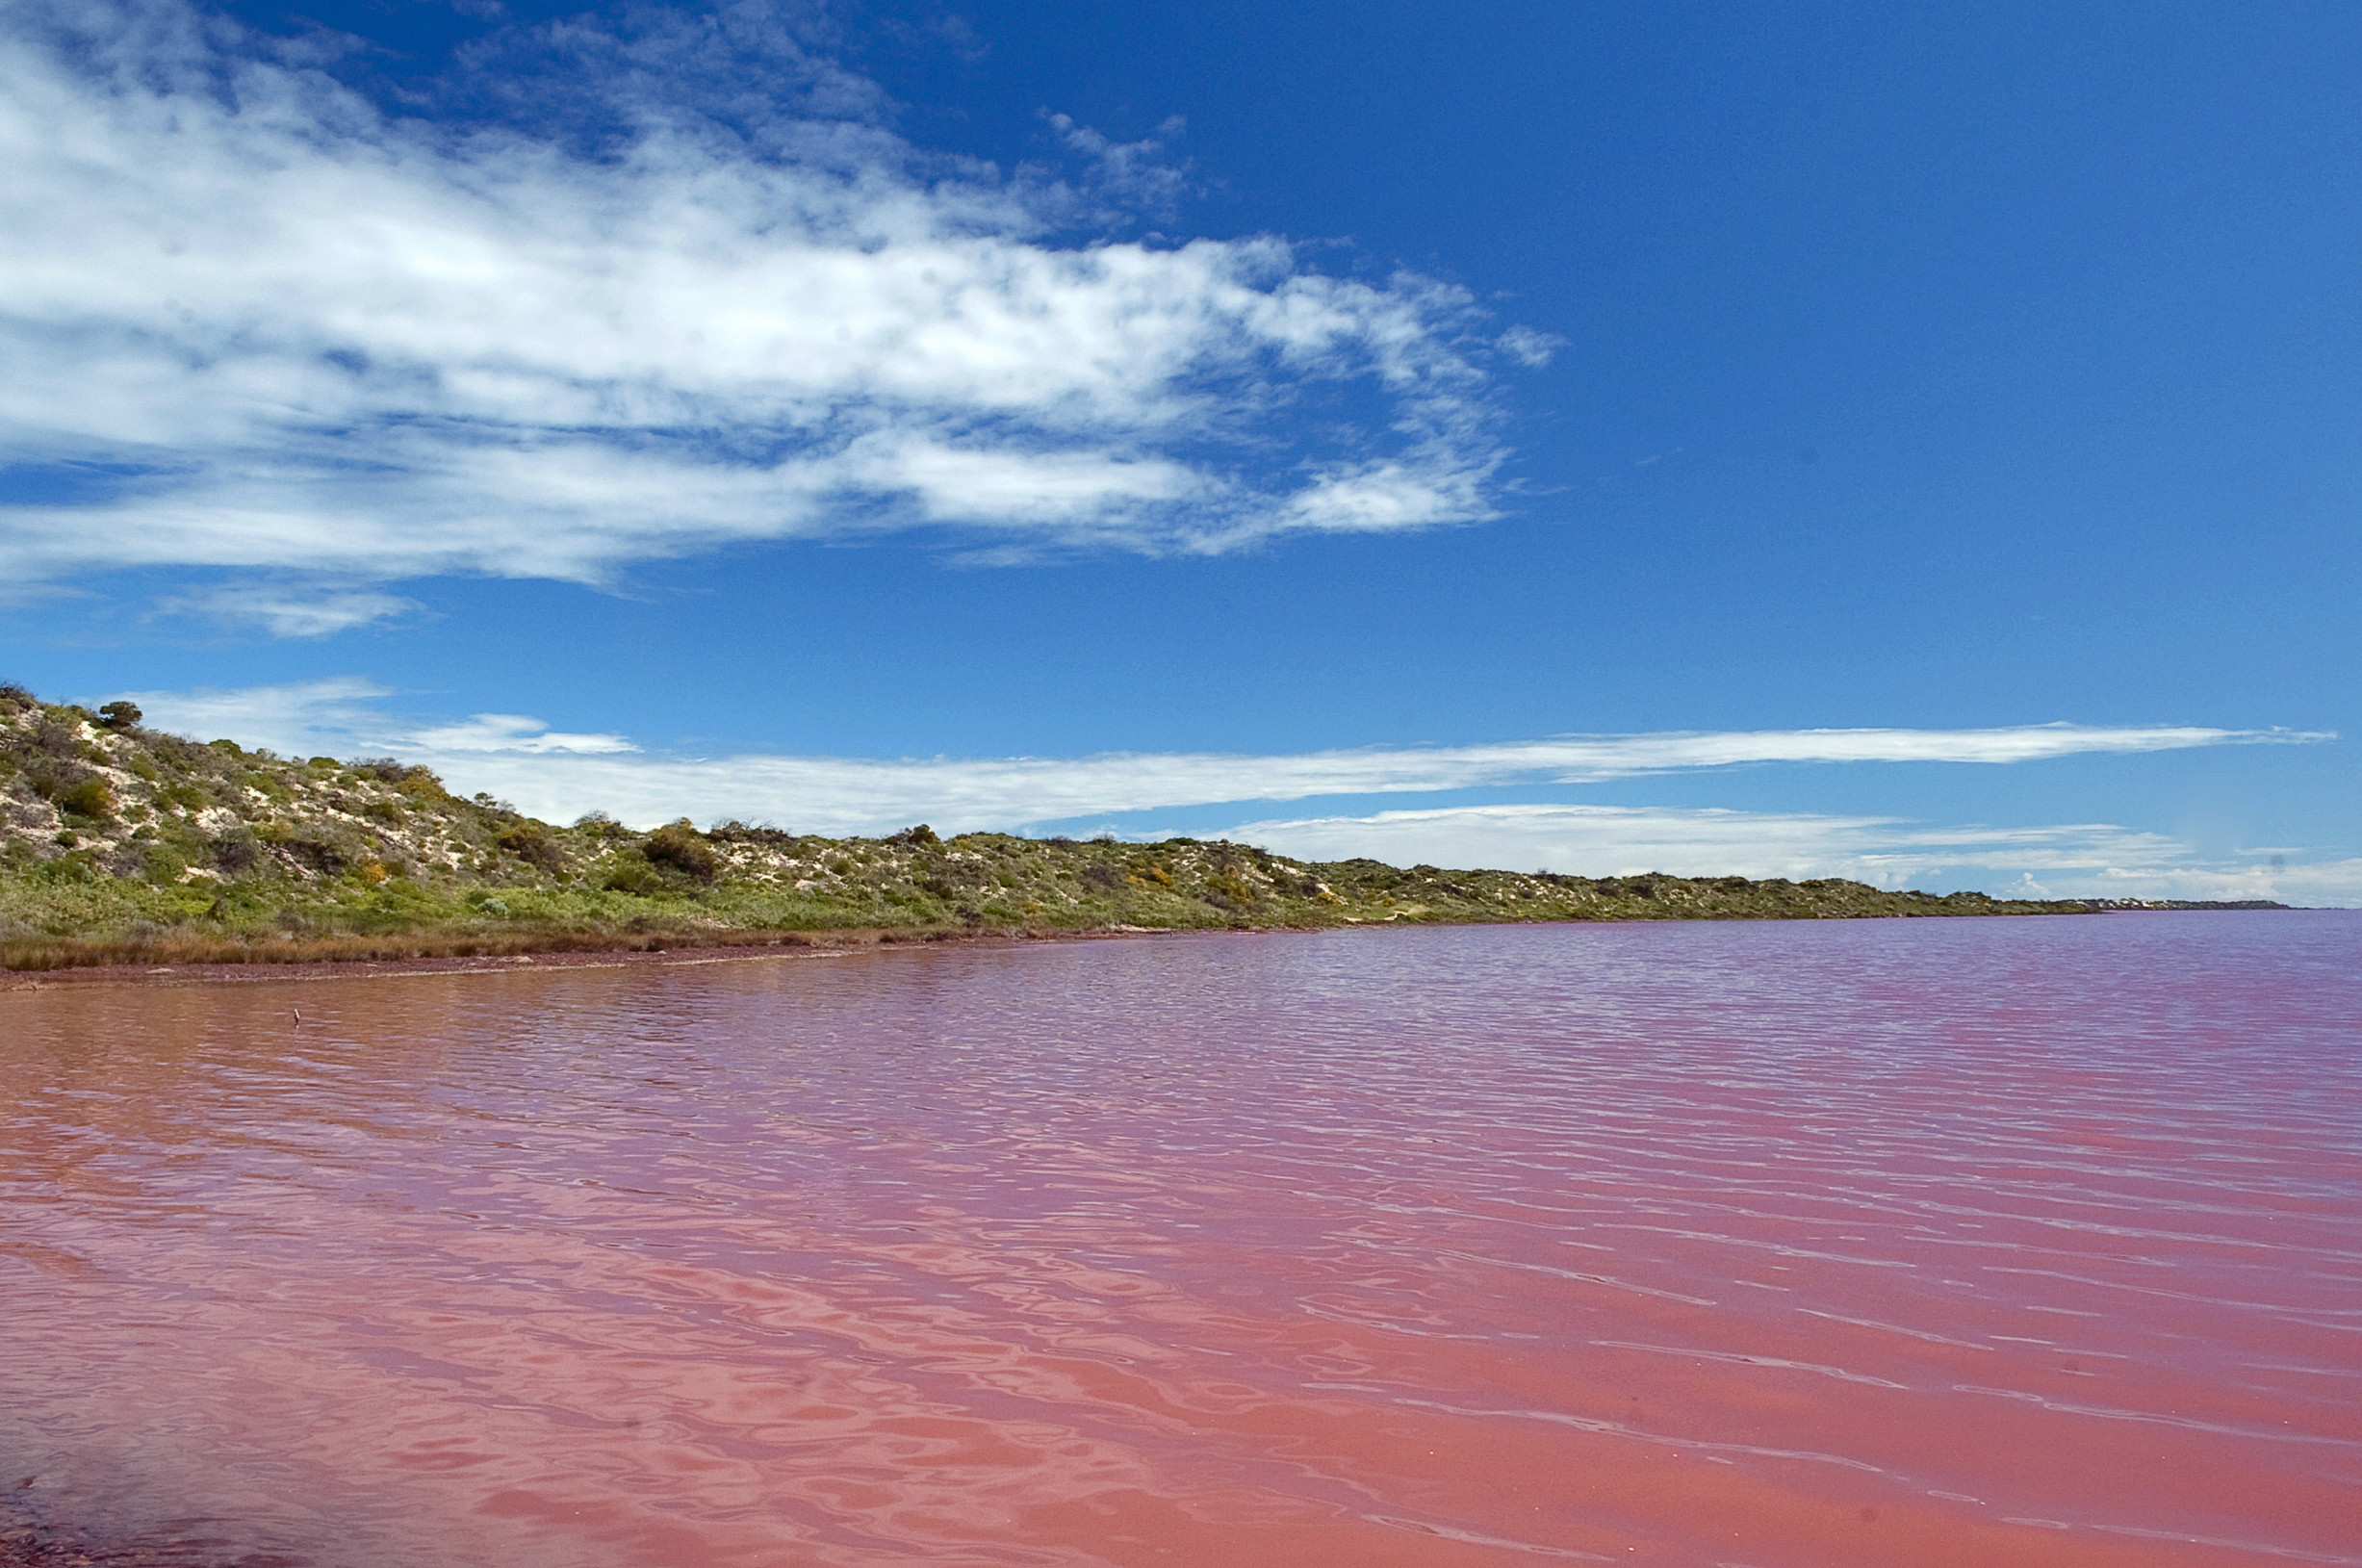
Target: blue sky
{"x": 1210, "y": 418}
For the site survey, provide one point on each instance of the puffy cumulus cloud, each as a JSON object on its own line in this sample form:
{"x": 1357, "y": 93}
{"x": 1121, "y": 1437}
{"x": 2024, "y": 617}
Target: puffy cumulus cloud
{"x": 2068, "y": 861}
{"x": 271, "y": 327}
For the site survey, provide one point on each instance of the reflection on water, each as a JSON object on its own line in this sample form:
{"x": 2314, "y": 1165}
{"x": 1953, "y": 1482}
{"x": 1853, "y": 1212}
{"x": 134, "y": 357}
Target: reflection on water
{"x": 2002, "y": 1242}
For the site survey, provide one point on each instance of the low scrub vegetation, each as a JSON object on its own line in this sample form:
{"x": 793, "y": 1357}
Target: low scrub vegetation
{"x": 122, "y": 844}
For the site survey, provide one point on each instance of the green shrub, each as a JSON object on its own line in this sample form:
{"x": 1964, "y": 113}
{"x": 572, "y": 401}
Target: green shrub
{"x": 238, "y": 851}
{"x": 635, "y": 876}
{"x": 91, "y": 797}
{"x": 325, "y": 849}
{"x": 600, "y": 824}
{"x": 684, "y": 848}
{"x": 1228, "y": 890}
{"x": 736, "y": 831}
{"x": 118, "y": 715}
{"x": 530, "y": 842}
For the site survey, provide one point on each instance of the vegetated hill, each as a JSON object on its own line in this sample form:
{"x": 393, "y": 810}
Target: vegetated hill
{"x": 118, "y": 843}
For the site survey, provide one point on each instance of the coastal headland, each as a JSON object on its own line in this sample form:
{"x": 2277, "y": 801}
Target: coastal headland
{"x": 126, "y": 847}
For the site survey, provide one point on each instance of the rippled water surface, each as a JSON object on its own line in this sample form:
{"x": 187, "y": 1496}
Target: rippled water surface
{"x": 1898, "y": 1243}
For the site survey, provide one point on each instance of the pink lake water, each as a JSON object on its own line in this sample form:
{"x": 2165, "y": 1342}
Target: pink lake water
{"x": 2021, "y": 1243}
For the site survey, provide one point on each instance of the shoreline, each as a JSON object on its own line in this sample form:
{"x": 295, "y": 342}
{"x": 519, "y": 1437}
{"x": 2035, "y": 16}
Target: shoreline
{"x": 265, "y": 970}
{"x": 669, "y": 953}
{"x": 134, "y": 855}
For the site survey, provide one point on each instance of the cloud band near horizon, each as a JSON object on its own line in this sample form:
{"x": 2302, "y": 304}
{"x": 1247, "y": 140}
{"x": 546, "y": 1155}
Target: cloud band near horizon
{"x": 2088, "y": 860}
{"x": 560, "y": 775}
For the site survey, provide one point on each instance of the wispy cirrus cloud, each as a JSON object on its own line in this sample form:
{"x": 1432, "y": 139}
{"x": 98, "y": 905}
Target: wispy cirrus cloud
{"x": 257, "y": 322}
{"x": 289, "y": 609}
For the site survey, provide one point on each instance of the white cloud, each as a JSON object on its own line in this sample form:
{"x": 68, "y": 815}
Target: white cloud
{"x": 1528, "y": 347}
{"x": 304, "y": 336}
{"x": 561, "y": 775}
{"x": 2069, "y": 860}
{"x": 1139, "y": 172}
{"x": 513, "y": 733}
{"x": 1605, "y": 840}
{"x": 343, "y": 715}
{"x": 858, "y": 794}
{"x": 337, "y": 715}
{"x": 291, "y": 611}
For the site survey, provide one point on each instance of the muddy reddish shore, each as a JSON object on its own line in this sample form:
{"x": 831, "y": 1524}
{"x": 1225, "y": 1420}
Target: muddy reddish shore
{"x": 793, "y": 945}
